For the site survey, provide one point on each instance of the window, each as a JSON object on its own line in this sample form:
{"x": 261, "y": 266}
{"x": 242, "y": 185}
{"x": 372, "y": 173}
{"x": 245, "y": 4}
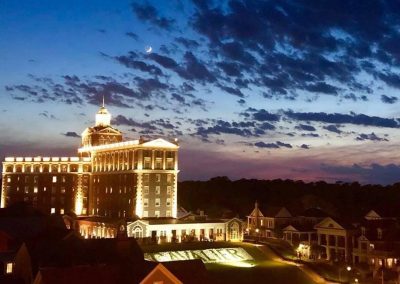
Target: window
{"x": 35, "y": 179}
{"x": 44, "y": 188}
{"x": 169, "y": 189}
{"x": 158, "y": 177}
{"x": 168, "y": 201}
{"x": 62, "y": 211}
{"x": 158, "y": 164}
{"x": 146, "y": 189}
{"x": 35, "y": 189}
{"x": 169, "y": 178}
{"x": 157, "y": 203}
{"x": 52, "y": 210}
{"x": 9, "y": 268}
{"x": 146, "y": 178}
{"x": 63, "y": 179}
{"x": 168, "y": 213}
{"x": 26, "y": 179}
{"x": 145, "y": 202}
{"x": 8, "y": 179}
{"x": 147, "y": 163}
{"x": 158, "y": 189}
{"x": 170, "y": 164}
{"x": 62, "y": 190}
{"x": 26, "y": 189}
{"x": 145, "y": 214}
{"x": 157, "y": 213}
{"x": 379, "y": 234}
{"x": 54, "y": 179}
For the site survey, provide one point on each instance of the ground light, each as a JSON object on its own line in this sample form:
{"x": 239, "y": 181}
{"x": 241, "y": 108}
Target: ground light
{"x": 241, "y": 264}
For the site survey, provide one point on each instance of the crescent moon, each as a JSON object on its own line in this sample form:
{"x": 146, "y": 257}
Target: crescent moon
{"x": 148, "y": 49}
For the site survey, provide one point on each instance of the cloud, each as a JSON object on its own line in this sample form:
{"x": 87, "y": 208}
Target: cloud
{"x": 372, "y": 137}
{"x": 71, "y": 134}
{"x": 371, "y": 174}
{"x": 132, "y": 35}
{"x": 276, "y": 145}
{"x": 305, "y": 127}
{"x": 260, "y": 115}
{"x": 147, "y": 12}
{"x": 357, "y": 119}
{"x": 332, "y": 128}
{"x": 388, "y": 100}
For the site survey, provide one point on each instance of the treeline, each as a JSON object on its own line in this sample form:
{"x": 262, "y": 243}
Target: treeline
{"x": 220, "y": 195}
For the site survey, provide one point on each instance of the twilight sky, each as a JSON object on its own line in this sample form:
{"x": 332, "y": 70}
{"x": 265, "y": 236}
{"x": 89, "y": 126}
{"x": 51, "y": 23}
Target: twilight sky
{"x": 256, "y": 89}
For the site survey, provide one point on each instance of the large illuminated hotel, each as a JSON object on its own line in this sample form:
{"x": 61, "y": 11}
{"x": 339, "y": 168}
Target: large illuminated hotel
{"x": 112, "y": 179}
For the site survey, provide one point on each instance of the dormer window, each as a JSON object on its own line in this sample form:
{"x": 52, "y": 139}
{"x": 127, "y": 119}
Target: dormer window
{"x": 379, "y": 234}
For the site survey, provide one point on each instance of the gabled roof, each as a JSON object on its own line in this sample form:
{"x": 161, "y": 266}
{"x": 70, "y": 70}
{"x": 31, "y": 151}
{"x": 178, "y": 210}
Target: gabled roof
{"x": 330, "y": 223}
{"x": 299, "y": 228}
{"x": 256, "y": 212}
{"x": 99, "y": 273}
{"x": 159, "y": 143}
{"x": 277, "y": 212}
{"x": 154, "y": 276}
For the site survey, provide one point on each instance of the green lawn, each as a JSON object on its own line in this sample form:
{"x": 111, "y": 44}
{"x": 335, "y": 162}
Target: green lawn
{"x": 262, "y": 270}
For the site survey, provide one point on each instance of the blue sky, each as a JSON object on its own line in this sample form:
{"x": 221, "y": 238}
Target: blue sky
{"x": 257, "y": 89}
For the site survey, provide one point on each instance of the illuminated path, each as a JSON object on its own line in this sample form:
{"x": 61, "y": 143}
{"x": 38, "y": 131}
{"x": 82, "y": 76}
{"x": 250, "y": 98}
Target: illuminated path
{"x": 268, "y": 268}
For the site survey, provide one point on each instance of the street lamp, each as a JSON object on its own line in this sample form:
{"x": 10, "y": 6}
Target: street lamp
{"x": 258, "y": 236}
{"x": 348, "y": 268}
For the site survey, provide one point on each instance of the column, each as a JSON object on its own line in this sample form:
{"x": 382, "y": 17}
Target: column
{"x": 164, "y": 158}
{"x": 152, "y": 159}
{"x": 328, "y": 251}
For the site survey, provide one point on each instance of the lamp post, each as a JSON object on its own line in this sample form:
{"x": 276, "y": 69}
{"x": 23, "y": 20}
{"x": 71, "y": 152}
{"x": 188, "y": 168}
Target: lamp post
{"x": 348, "y": 268}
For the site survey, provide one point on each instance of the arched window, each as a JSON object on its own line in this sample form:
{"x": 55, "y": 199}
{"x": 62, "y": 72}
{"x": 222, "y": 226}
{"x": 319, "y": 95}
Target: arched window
{"x": 234, "y": 231}
{"x": 137, "y": 232}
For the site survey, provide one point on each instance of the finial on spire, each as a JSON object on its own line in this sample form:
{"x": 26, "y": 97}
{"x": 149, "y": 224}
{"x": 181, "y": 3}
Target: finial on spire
{"x": 103, "y": 100}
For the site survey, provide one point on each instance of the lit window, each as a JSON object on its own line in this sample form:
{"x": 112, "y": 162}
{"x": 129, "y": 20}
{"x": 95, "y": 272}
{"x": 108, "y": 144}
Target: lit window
{"x": 168, "y": 201}
{"x": 146, "y": 190}
{"x": 53, "y": 210}
{"x": 146, "y": 178}
{"x": 63, "y": 179}
{"x": 54, "y": 179}
{"x": 9, "y": 268}
{"x": 169, "y": 189}
{"x": 26, "y": 189}
{"x": 145, "y": 214}
{"x": 157, "y": 203}
{"x": 110, "y": 189}
{"x": 169, "y": 178}
{"x": 44, "y": 188}
{"x": 8, "y": 179}
{"x": 158, "y": 164}
{"x": 62, "y": 211}
{"x": 145, "y": 202}
{"x": 147, "y": 162}
{"x": 158, "y": 190}
{"x": 35, "y": 179}
{"x": 35, "y": 189}
{"x": 157, "y": 214}
{"x": 62, "y": 190}
{"x": 170, "y": 165}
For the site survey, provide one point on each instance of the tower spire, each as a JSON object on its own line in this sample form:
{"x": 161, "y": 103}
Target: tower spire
{"x": 103, "y": 100}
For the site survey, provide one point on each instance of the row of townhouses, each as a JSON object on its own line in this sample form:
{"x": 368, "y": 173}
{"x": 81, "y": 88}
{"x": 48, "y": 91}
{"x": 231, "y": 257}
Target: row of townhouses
{"x": 373, "y": 240}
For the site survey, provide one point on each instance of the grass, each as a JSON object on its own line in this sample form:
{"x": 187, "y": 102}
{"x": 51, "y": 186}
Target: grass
{"x": 264, "y": 269}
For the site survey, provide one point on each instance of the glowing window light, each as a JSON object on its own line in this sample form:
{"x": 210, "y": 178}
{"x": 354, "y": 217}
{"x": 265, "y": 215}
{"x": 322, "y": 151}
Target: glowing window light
{"x": 9, "y": 268}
